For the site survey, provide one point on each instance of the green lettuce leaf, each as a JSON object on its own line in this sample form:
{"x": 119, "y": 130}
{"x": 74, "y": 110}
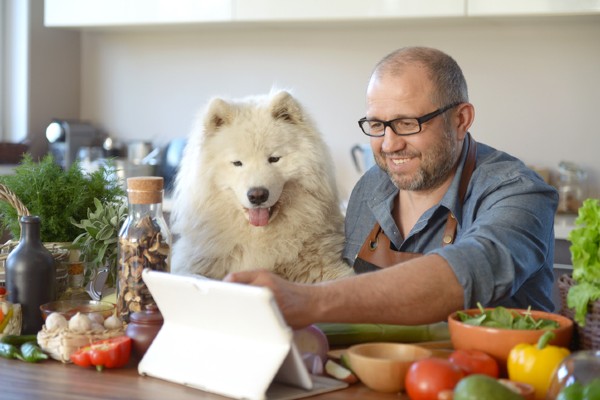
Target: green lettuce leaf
{"x": 585, "y": 255}
{"x": 579, "y": 297}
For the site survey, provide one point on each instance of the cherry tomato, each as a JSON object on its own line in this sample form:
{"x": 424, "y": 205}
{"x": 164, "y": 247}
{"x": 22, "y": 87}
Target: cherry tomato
{"x": 475, "y": 362}
{"x": 428, "y": 377}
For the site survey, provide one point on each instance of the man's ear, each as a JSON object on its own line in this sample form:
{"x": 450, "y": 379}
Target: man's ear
{"x": 463, "y": 119}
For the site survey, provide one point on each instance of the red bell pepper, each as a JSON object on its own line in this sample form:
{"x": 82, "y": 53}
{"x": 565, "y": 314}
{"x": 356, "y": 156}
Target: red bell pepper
{"x": 108, "y": 353}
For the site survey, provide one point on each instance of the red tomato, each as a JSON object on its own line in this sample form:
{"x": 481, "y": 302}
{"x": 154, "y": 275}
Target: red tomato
{"x": 475, "y": 362}
{"x": 428, "y": 377}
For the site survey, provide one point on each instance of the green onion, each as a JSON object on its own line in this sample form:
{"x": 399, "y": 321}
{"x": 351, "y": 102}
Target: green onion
{"x": 342, "y": 334}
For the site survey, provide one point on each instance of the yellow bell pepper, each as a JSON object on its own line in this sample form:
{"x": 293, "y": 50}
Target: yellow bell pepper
{"x": 535, "y": 364}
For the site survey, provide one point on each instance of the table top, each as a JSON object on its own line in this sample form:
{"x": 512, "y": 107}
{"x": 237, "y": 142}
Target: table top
{"x": 53, "y": 380}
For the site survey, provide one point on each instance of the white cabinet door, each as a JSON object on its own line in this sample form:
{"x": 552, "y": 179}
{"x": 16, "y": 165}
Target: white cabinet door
{"x": 531, "y": 7}
{"x": 89, "y": 13}
{"x": 315, "y": 10}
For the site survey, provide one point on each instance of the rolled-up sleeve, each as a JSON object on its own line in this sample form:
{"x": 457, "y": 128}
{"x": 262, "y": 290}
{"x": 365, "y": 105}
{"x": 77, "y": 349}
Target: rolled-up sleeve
{"x": 503, "y": 253}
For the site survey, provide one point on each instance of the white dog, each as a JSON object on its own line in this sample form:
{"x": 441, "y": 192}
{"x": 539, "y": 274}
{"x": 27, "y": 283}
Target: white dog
{"x": 256, "y": 189}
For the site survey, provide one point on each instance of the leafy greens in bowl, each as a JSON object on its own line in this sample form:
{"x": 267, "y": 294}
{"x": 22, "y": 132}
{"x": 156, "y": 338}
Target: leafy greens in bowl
{"x": 504, "y": 318}
{"x": 496, "y": 331}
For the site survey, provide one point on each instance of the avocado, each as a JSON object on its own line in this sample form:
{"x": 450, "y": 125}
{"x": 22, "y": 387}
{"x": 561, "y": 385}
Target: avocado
{"x": 478, "y": 386}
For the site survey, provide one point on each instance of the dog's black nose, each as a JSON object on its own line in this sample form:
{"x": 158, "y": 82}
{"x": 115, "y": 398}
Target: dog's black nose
{"x": 258, "y": 195}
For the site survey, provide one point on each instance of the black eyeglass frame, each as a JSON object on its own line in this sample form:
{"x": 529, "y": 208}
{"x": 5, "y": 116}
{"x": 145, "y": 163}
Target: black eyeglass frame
{"x": 420, "y": 120}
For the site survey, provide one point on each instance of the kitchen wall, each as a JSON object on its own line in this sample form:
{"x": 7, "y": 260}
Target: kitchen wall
{"x": 534, "y": 82}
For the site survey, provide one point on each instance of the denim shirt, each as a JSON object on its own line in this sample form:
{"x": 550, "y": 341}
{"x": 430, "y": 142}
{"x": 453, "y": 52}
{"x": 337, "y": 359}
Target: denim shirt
{"x": 503, "y": 253}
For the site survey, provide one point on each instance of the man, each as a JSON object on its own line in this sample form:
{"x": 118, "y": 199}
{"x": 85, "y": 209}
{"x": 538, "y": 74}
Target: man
{"x": 465, "y": 223}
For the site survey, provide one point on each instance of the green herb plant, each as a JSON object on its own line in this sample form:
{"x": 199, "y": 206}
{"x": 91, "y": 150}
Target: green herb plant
{"x": 585, "y": 255}
{"x": 98, "y": 242}
{"x": 56, "y": 195}
{"x": 503, "y": 318}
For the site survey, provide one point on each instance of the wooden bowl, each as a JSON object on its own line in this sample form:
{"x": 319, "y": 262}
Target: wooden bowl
{"x": 498, "y": 342}
{"x": 382, "y": 366}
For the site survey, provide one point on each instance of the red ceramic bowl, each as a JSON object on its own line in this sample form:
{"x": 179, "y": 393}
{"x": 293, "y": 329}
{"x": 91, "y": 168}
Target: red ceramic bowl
{"x": 499, "y": 342}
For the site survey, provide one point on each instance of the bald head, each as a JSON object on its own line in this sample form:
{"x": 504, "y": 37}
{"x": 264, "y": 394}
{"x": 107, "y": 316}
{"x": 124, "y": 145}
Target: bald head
{"x": 449, "y": 85}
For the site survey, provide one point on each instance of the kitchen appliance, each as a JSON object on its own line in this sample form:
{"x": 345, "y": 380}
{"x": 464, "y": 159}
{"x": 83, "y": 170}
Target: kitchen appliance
{"x": 67, "y": 137}
{"x": 170, "y": 162}
{"x": 362, "y": 155}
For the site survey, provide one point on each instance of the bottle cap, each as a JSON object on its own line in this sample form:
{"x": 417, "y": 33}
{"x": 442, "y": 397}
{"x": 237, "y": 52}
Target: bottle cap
{"x": 145, "y": 189}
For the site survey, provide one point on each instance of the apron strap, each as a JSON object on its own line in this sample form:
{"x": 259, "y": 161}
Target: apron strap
{"x": 451, "y": 223}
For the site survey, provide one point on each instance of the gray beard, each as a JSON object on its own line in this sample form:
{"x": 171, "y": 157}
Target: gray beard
{"x": 436, "y": 165}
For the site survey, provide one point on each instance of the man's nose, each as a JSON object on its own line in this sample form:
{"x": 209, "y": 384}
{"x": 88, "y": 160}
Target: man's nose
{"x": 392, "y": 142}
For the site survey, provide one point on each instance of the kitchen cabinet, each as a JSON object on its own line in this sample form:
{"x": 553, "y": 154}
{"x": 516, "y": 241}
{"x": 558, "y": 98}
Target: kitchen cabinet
{"x": 320, "y": 10}
{"x": 115, "y": 13}
{"x": 109, "y": 14}
{"x": 531, "y": 7}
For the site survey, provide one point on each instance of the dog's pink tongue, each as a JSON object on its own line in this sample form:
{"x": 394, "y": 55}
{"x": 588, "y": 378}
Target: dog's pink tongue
{"x": 259, "y": 216}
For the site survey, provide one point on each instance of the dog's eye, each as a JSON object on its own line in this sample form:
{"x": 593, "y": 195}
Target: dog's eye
{"x": 237, "y": 163}
{"x": 273, "y": 159}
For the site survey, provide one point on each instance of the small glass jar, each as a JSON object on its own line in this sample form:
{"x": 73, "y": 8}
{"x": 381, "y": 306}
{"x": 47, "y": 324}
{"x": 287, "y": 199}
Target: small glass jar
{"x": 75, "y": 280}
{"x": 144, "y": 242}
{"x": 10, "y": 319}
{"x": 571, "y": 187}
{"x": 574, "y": 373}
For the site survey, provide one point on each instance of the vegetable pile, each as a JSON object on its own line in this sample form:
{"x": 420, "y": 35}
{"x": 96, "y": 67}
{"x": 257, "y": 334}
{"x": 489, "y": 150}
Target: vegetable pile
{"x": 585, "y": 255}
{"x": 503, "y": 318}
{"x": 82, "y": 323}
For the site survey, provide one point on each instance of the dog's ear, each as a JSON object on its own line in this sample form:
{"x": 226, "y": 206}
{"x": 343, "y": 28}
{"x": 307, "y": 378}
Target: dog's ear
{"x": 284, "y": 107}
{"x": 219, "y": 113}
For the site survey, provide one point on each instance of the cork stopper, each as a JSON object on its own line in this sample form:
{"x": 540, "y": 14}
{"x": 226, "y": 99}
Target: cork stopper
{"x": 145, "y": 189}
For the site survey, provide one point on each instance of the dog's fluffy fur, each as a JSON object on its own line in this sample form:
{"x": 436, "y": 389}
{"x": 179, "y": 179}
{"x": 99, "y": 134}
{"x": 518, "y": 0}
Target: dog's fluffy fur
{"x": 256, "y": 189}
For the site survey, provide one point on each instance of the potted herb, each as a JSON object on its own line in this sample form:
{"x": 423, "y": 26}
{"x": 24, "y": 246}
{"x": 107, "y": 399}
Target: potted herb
{"x": 98, "y": 242}
{"x": 57, "y": 195}
{"x": 585, "y": 255}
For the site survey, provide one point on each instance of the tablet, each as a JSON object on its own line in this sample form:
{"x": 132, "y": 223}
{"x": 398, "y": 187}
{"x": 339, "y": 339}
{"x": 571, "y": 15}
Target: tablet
{"x": 226, "y": 338}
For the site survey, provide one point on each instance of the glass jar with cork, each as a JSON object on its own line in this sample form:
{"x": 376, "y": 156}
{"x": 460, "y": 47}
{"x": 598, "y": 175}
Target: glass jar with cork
{"x": 144, "y": 242}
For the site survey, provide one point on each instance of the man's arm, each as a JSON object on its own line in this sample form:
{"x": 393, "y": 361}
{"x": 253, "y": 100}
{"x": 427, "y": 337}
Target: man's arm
{"x": 419, "y": 291}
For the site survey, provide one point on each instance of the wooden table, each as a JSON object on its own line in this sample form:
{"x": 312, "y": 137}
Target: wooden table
{"x": 51, "y": 379}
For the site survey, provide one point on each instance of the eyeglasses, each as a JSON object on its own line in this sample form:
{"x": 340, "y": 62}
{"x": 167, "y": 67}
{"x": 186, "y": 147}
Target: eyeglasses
{"x": 400, "y": 126}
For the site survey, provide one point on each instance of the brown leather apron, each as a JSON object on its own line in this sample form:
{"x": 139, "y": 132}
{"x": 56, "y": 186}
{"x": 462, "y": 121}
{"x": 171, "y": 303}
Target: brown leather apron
{"x": 376, "y": 251}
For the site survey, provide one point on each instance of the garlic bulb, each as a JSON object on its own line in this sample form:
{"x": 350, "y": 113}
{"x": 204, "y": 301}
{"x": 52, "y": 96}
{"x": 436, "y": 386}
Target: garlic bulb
{"x": 97, "y": 328}
{"x": 80, "y": 323}
{"x": 113, "y": 322}
{"x": 96, "y": 317}
{"x": 55, "y": 321}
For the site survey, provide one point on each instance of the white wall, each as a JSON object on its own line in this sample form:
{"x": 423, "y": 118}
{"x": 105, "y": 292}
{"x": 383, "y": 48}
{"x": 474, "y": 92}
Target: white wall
{"x": 535, "y": 83}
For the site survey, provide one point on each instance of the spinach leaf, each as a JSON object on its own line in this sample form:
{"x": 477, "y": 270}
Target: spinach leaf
{"x": 503, "y": 318}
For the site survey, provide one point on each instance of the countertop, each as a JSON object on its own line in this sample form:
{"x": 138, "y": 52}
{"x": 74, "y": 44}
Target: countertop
{"x": 563, "y": 224}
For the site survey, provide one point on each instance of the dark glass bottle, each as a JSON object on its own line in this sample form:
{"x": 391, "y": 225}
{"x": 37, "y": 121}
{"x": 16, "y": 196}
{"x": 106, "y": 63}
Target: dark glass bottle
{"x": 30, "y": 275}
